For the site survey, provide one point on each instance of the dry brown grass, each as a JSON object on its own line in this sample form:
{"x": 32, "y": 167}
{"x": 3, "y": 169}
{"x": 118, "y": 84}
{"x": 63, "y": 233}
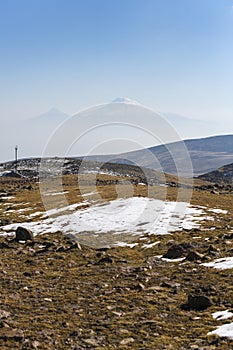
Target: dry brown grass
{"x": 65, "y": 298}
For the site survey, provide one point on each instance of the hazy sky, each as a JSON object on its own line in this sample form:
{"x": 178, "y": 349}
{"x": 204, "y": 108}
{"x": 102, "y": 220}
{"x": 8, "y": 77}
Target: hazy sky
{"x": 172, "y": 55}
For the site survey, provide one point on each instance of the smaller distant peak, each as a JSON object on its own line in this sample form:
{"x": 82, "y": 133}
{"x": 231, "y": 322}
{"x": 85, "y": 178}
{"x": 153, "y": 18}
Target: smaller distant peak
{"x": 55, "y": 110}
{"x": 126, "y": 100}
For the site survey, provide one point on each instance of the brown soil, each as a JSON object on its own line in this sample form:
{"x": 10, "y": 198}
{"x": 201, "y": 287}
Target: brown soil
{"x": 54, "y": 295}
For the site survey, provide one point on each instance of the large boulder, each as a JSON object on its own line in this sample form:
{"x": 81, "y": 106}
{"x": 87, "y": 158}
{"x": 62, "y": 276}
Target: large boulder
{"x": 176, "y": 251}
{"x": 197, "y": 302}
{"x": 23, "y": 234}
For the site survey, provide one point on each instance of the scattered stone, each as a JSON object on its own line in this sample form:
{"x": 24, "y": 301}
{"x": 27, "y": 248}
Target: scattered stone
{"x": 176, "y": 251}
{"x": 8, "y": 333}
{"x": 139, "y": 287}
{"x": 116, "y": 313}
{"x": 23, "y": 234}
{"x": 212, "y": 250}
{"x": 126, "y": 341}
{"x": 197, "y": 302}
{"x": 36, "y": 344}
{"x": 75, "y": 246}
{"x": 170, "y": 284}
{"x": 28, "y": 273}
{"x": 4, "y": 245}
{"x": 61, "y": 249}
{"x": 193, "y": 256}
{"x": 91, "y": 341}
{"x": 108, "y": 259}
{"x": 4, "y": 314}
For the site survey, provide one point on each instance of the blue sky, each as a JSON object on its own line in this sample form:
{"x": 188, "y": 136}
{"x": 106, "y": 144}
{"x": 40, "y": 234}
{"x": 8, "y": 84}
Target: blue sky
{"x": 171, "y": 55}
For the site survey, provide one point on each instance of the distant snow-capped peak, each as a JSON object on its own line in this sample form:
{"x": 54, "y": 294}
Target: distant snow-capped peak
{"x": 126, "y": 100}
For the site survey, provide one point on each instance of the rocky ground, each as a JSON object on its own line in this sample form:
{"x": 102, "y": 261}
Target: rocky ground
{"x": 56, "y": 294}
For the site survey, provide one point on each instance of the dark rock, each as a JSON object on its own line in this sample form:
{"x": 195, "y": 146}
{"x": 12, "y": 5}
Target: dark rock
{"x": 4, "y": 245}
{"x": 61, "y": 249}
{"x": 139, "y": 287}
{"x": 74, "y": 334}
{"x": 213, "y": 251}
{"x": 108, "y": 259}
{"x": 4, "y": 222}
{"x": 197, "y": 302}
{"x": 28, "y": 273}
{"x": 75, "y": 246}
{"x": 176, "y": 251}
{"x": 23, "y": 234}
{"x": 193, "y": 256}
{"x": 99, "y": 254}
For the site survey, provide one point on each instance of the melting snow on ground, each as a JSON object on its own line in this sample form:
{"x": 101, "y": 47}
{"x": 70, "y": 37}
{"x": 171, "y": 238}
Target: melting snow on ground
{"x": 222, "y": 263}
{"x": 218, "y": 211}
{"x": 169, "y": 260}
{"x": 225, "y": 330}
{"x": 222, "y": 315}
{"x": 134, "y": 215}
{"x": 56, "y": 193}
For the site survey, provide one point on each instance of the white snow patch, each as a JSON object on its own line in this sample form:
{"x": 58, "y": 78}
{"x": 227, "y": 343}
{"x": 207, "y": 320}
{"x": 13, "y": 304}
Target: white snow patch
{"x": 173, "y": 260}
{"x": 221, "y": 264}
{"x": 222, "y": 315}
{"x": 169, "y": 260}
{"x": 218, "y": 211}
{"x": 225, "y": 330}
{"x": 130, "y": 216}
{"x": 56, "y": 193}
{"x": 150, "y": 245}
{"x": 88, "y": 194}
{"x": 124, "y": 244}
{"x": 22, "y": 209}
{"x": 71, "y": 207}
{"x": 37, "y": 213}
{"x": 126, "y": 100}
{"x": 102, "y": 172}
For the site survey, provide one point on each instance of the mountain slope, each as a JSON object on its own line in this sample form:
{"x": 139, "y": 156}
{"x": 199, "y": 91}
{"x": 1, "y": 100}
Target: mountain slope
{"x": 54, "y": 115}
{"x": 207, "y": 154}
{"x": 221, "y": 175}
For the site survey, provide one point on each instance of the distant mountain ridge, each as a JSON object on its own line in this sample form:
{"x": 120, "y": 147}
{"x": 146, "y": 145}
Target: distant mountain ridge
{"x": 206, "y": 154}
{"x": 32, "y": 135}
{"x": 222, "y": 175}
{"x": 52, "y": 115}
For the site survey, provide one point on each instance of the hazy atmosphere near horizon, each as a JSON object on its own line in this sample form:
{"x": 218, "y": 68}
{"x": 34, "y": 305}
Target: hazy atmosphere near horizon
{"x": 59, "y": 57}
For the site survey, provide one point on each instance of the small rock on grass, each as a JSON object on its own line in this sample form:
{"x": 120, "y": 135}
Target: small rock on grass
{"x": 176, "y": 251}
{"x": 106, "y": 260}
{"x": 193, "y": 256}
{"x": 197, "y": 302}
{"x": 126, "y": 341}
{"x": 4, "y": 314}
{"x": 23, "y": 234}
{"x": 91, "y": 341}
